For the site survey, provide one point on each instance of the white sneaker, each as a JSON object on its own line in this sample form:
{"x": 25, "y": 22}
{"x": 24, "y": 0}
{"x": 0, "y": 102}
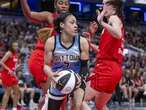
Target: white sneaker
{"x": 14, "y": 108}
{"x": 22, "y": 103}
{"x": 32, "y": 105}
{"x": 19, "y": 104}
{"x": 144, "y": 93}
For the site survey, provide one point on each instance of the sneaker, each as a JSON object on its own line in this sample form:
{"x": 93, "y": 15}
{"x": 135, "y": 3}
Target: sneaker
{"x": 144, "y": 93}
{"x": 22, "y": 103}
{"x": 19, "y": 104}
{"x": 32, "y": 105}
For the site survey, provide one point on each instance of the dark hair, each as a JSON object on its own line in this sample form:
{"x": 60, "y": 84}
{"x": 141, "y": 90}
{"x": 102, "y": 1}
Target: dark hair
{"x": 10, "y": 46}
{"x": 118, "y": 5}
{"x": 60, "y": 19}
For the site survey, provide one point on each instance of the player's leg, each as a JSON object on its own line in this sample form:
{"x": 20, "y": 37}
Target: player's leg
{"x": 6, "y": 97}
{"x": 101, "y": 100}
{"x": 16, "y": 95}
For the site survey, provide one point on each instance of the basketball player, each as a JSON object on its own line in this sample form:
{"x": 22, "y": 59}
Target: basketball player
{"x": 9, "y": 80}
{"x": 108, "y": 70}
{"x": 66, "y": 50}
{"x": 45, "y": 18}
{"x": 36, "y": 60}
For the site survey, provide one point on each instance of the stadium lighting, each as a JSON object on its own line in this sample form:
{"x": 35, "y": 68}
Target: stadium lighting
{"x": 135, "y": 8}
{"x": 99, "y": 5}
{"x": 77, "y": 3}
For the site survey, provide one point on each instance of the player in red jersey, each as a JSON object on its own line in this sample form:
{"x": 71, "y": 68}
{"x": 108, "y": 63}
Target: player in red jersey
{"x": 9, "y": 80}
{"x": 108, "y": 70}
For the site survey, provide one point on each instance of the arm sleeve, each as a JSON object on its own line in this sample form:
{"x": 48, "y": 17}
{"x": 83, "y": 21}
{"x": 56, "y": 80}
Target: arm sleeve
{"x": 84, "y": 70}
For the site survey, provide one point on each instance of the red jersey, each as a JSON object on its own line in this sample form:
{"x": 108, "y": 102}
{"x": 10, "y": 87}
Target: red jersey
{"x": 9, "y": 80}
{"x": 11, "y": 62}
{"x": 40, "y": 44}
{"x": 111, "y": 48}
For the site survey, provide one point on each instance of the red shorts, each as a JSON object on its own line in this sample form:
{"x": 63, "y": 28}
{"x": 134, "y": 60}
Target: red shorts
{"x": 36, "y": 64}
{"x": 107, "y": 75}
{"x": 8, "y": 80}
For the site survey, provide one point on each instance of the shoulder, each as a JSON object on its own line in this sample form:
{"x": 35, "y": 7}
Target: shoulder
{"x": 83, "y": 40}
{"x": 8, "y": 54}
{"x": 50, "y": 44}
{"x": 115, "y": 18}
{"x": 84, "y": 43}
{"x": 50, "y": 41}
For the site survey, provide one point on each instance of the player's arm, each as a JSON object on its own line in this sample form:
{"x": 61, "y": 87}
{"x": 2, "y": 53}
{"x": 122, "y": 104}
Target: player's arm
{"x": 2, "y": 61}
{"x": 84, "y": 56}
{"x": 88, "y": 37}
{"x": 48, "y": 55}
{"x": 113, "y": 26}
{"x": 35, "y": 17}
{"x": 44, "y": 33}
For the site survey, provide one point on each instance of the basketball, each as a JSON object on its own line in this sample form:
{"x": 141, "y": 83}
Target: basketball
{"x": 67, "y": 81}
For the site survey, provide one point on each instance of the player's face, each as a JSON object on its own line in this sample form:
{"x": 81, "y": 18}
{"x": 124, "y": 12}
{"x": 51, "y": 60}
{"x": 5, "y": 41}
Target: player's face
{"x": 109, "y": 10}
{"x": 15, "y": 46}
{"x": 70, "y": 26}
{"x": 62, "y": 6}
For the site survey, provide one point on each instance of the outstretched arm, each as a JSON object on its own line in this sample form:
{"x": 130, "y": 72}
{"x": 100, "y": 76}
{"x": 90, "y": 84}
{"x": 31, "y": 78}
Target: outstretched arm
{"x": 35, "y": 17}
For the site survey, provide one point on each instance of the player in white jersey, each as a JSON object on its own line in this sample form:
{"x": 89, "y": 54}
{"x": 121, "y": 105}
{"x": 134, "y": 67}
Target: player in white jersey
{"x": 67, "y": 50}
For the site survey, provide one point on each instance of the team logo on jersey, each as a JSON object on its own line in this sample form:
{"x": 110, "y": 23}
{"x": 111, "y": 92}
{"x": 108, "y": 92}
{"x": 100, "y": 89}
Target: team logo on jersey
{"x": 66, "y": 58}
{"x": 15, "y": 59}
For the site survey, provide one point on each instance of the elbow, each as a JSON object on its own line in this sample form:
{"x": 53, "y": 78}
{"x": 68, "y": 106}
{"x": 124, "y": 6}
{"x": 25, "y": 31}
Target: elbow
{"x": 26, "y": 12}
{"x": 1, "y": 63}
{"x": 45, "y": 70}
{"x": 28, "y": 15}
{"x": 30, "y": 18}
{"x": 118, "y": 36}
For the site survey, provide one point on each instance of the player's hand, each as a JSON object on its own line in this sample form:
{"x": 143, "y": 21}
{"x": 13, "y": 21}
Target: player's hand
{"x": 10, "y": 72}
{"x": 53, "y": 77}
{"x": 100, "y": 17}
